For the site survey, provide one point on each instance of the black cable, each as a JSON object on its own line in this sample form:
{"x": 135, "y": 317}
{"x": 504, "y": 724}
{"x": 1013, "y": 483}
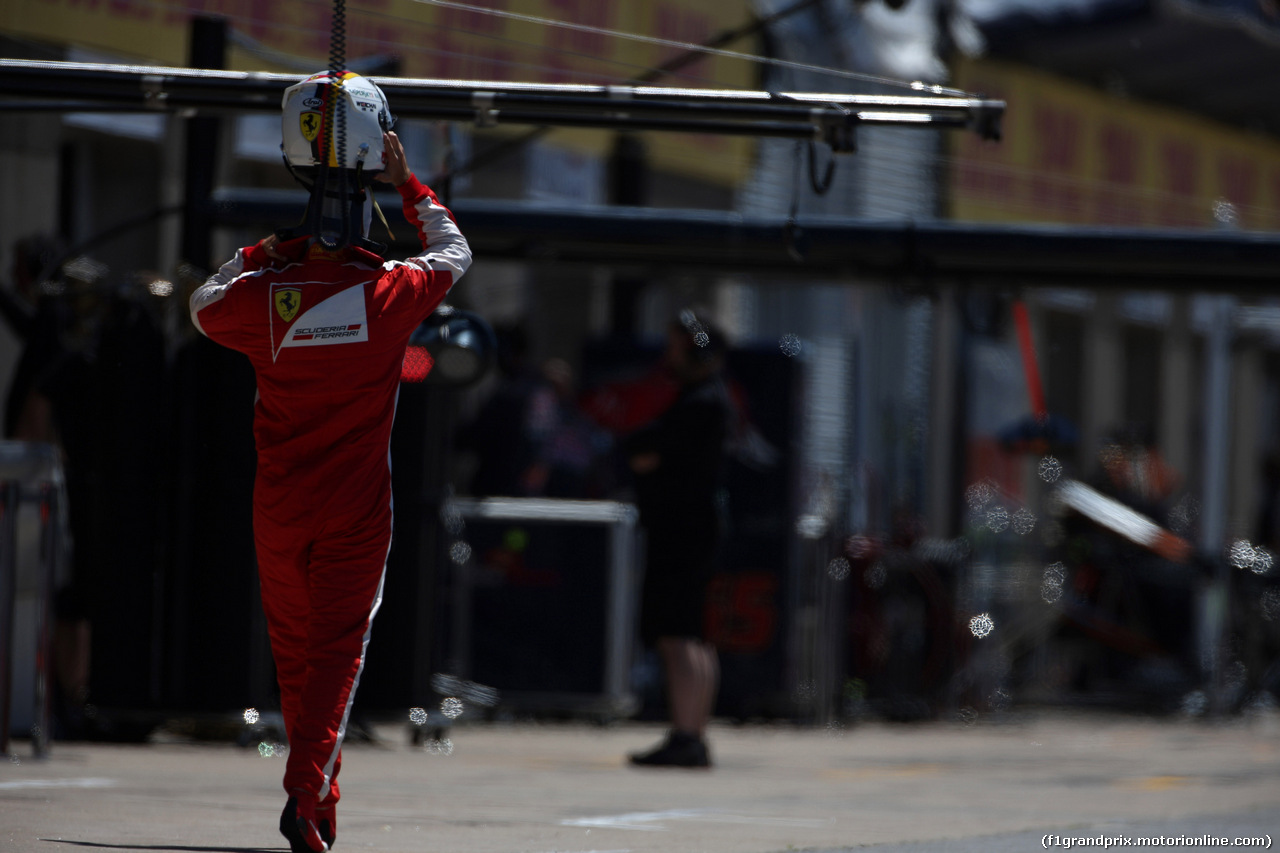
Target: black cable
{"x": 820, "y": 185}
{"x": 335, "y": 112}
{"x": 792, "y": 233}
{"x": 338, "y": 39}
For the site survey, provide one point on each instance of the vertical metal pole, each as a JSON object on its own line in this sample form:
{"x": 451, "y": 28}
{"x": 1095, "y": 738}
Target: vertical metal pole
{"x": 830, "y": 683}
{"x": 44, "y": 629}
{"x": 435, "y": 569}
{"x": 942, "y": 486}
{"x": 1176, "y": 403}
{"x": 8, "y": 585}
{"x": 1213, "y": 520}
{"x": 208, "y": 50}
{"x": 1103, "y": 351}
{"x": 617, "y": 609}
{"x": 628, "y": 171}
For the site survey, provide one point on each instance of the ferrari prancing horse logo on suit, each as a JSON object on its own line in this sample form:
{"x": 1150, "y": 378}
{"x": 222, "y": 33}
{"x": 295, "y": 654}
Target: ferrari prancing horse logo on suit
{"x": 288, "y": 301}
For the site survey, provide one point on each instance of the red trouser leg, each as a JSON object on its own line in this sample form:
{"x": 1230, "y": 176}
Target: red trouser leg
{"x": 320, "y": 591}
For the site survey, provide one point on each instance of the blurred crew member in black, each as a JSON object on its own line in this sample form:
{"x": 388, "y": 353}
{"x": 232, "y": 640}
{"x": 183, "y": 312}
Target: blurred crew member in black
{"x": 677, "y": 461}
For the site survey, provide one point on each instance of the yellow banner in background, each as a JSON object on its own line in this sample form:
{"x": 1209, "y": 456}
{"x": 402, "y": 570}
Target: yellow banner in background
{"x": 1074, "y": 155}
{"x": 435, "y": 41}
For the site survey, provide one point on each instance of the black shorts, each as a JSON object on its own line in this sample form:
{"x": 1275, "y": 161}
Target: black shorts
{"x": 679, "y": 564}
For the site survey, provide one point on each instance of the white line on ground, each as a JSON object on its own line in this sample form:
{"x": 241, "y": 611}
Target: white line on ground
{"x": 650, "y": 821}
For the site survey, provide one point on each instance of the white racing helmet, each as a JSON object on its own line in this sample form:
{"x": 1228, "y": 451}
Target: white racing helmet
{"x": 332, "y": 143}
{"x": 360, "y": 117}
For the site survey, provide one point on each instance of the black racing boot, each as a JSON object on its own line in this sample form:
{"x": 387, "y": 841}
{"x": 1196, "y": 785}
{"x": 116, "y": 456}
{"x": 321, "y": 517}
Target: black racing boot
{"x": 327, "y": 820}
{"x": 298, "y": 824}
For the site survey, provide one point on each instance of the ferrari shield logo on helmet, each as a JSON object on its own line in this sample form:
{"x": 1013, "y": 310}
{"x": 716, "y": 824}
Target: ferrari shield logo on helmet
{"x": 288, "y": 301}
{"x": 309, "y": 124}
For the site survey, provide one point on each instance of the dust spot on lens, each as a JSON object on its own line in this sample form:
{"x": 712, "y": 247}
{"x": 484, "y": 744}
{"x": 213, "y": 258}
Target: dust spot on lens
{"x": 1024, "y": 521}
{"x": 1183, "y": 515}
{"x": 1225, "y": 213}
{"x": 1051, "y": 585}
{"x": 875, "y": 576}
{"x": 1241, "y": 554}
{"x": 997, "y": 519}
{"x": 453, "y": 522}
{"x": 267, "y": 749}
{"x": 1049, "y": 469}
{"x": 443, "y": 746}
{"x": 1271, "y": 604}
{"x": 978, "y": 495}
{"x": 981, "y": 625}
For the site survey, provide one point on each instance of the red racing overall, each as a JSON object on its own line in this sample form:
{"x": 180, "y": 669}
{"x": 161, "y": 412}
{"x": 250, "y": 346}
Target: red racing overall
{"x": 326, "y": 335}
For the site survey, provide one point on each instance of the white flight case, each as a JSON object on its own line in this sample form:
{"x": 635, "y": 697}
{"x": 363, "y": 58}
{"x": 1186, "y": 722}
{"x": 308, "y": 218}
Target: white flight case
{"x": 542, "y": 601}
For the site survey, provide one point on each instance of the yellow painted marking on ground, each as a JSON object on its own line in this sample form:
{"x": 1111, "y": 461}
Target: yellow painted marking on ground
{"x": 1154, "y": 783}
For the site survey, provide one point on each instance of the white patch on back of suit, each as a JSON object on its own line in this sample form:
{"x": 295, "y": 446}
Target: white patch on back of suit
{"x": 338, "y": 319}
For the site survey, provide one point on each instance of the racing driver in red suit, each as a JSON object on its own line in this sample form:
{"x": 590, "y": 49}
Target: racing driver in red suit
{"x": 326, "y": 331}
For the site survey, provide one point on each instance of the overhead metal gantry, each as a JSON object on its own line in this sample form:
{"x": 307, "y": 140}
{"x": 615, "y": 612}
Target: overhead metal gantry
{"x": 820, "y": 116}
{"x": 1031, "y": 255}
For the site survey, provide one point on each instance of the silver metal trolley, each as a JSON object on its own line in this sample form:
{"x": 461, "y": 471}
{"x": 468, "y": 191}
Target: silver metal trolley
{"x": 33, "y": 553}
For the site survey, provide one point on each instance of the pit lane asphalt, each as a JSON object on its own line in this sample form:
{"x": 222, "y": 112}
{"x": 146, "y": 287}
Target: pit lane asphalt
{"x": 994, "y": 785}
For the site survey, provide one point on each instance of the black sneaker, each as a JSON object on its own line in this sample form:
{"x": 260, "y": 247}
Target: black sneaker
{"x": 299, "y": 826}
{"x": 680, "y": 749}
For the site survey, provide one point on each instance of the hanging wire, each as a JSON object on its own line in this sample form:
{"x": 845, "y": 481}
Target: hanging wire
{"x": 335, "y": 112}
{"x": 792, "y": 233}
{"x": 338, "y": 39}
{"x": 300, "y": 63}
{"x": 649, "y": 75}
{"x": 709, "y": 48}
{"x": 337, "y": 65}
{"x": 680, "y": 60}
{"x": 693, "y": 46}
